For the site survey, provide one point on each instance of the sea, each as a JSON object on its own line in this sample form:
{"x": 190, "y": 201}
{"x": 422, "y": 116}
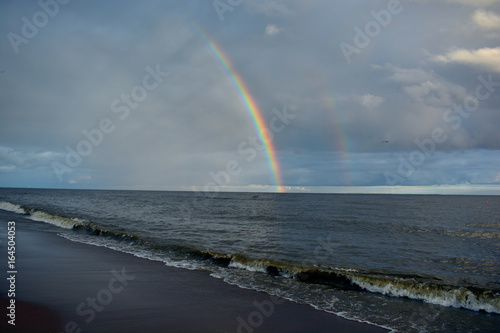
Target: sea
{"x": 409, "y": 263}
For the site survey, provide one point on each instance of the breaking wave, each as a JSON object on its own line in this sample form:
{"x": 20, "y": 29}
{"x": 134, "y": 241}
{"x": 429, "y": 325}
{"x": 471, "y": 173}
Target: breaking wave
{"x": 12, "y": 207}
{"x": 66, "y": 222}
{"x": 427, "y": 289}
{"x": 36, "y": 215}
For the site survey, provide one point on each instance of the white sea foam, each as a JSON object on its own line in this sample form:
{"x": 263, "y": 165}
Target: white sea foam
{"x": 254, "y": 267}
{"x": 62, "y": 222}
{"x": 12, "y": 207}
{"x": 36, "y": 215}
{"x": 135, "y": 250}
{"x": 458, "y": 297}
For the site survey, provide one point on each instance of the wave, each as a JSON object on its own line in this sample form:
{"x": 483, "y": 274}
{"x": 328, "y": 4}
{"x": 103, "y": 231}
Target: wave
{"x": 427, "y": 289}
{"x": 423, "y": 288}
{"x": 467, "y": 297}
{"x": 12, "y": 207}
{"x": 36, "y": 215}
{"x": 93, "y": 229}
{"x": 66, "y": 222}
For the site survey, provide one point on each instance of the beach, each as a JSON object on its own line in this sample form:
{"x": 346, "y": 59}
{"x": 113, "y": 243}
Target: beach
{"x": 64, "y": 286}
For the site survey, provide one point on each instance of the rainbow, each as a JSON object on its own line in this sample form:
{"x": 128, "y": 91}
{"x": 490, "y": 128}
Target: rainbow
{"x": 250, "y": 104}
{"x": 340, "y": 139}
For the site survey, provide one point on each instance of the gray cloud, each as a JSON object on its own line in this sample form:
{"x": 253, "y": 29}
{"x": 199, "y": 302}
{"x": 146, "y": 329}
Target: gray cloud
{"x": 350, "y": 118}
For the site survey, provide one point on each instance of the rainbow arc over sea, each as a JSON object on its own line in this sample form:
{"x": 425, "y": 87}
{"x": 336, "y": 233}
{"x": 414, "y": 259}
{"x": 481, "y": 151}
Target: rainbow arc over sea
{"x": 249, "y": 103}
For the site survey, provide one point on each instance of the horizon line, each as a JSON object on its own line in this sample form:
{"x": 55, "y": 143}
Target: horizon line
{"x": 485, "y": 189}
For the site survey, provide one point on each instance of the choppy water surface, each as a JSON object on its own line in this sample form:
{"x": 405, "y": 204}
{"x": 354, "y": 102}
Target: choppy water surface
{"x": 413, "y": 263}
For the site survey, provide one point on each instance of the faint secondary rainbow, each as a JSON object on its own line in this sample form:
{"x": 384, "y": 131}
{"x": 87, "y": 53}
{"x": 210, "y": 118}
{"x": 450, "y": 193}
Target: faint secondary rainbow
{"x": 250, "y": 105}
{"x": 340, "y": 139}
{"x": 339, "y": 135}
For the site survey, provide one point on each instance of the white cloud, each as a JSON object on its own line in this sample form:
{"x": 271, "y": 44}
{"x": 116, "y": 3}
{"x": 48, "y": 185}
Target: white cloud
{"x": 275, "y": 8}
{"x": 80, "y": 179}
{"x": 408, "y": 76}
{"x": 7, "y": 168}
{"x": 272, "y": 29}
{"x": 11, "y": 159}
{"x": 487, "y": 20}
{"x": 426, "y": 87}
{"x": 370, "y": 101}
{"x": 486, "y": 58}
{"x": 417, "y": 92}
{"x": 475, "y": 2}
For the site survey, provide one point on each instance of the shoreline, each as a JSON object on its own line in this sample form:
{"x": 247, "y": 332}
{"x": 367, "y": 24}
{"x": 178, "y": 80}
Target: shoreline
{"x": 86, "y": 288}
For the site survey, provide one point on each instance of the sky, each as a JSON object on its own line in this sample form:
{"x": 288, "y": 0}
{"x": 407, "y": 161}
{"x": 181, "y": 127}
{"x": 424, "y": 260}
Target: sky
{"x": 379, "y": 96}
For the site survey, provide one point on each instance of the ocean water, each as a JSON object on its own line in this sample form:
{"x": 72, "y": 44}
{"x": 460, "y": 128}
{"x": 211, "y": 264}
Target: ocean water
{"x": 410, "y": 263}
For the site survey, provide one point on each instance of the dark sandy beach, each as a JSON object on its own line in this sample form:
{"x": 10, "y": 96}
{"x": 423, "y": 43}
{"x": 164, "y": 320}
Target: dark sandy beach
{"x": 63, "y": 286}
